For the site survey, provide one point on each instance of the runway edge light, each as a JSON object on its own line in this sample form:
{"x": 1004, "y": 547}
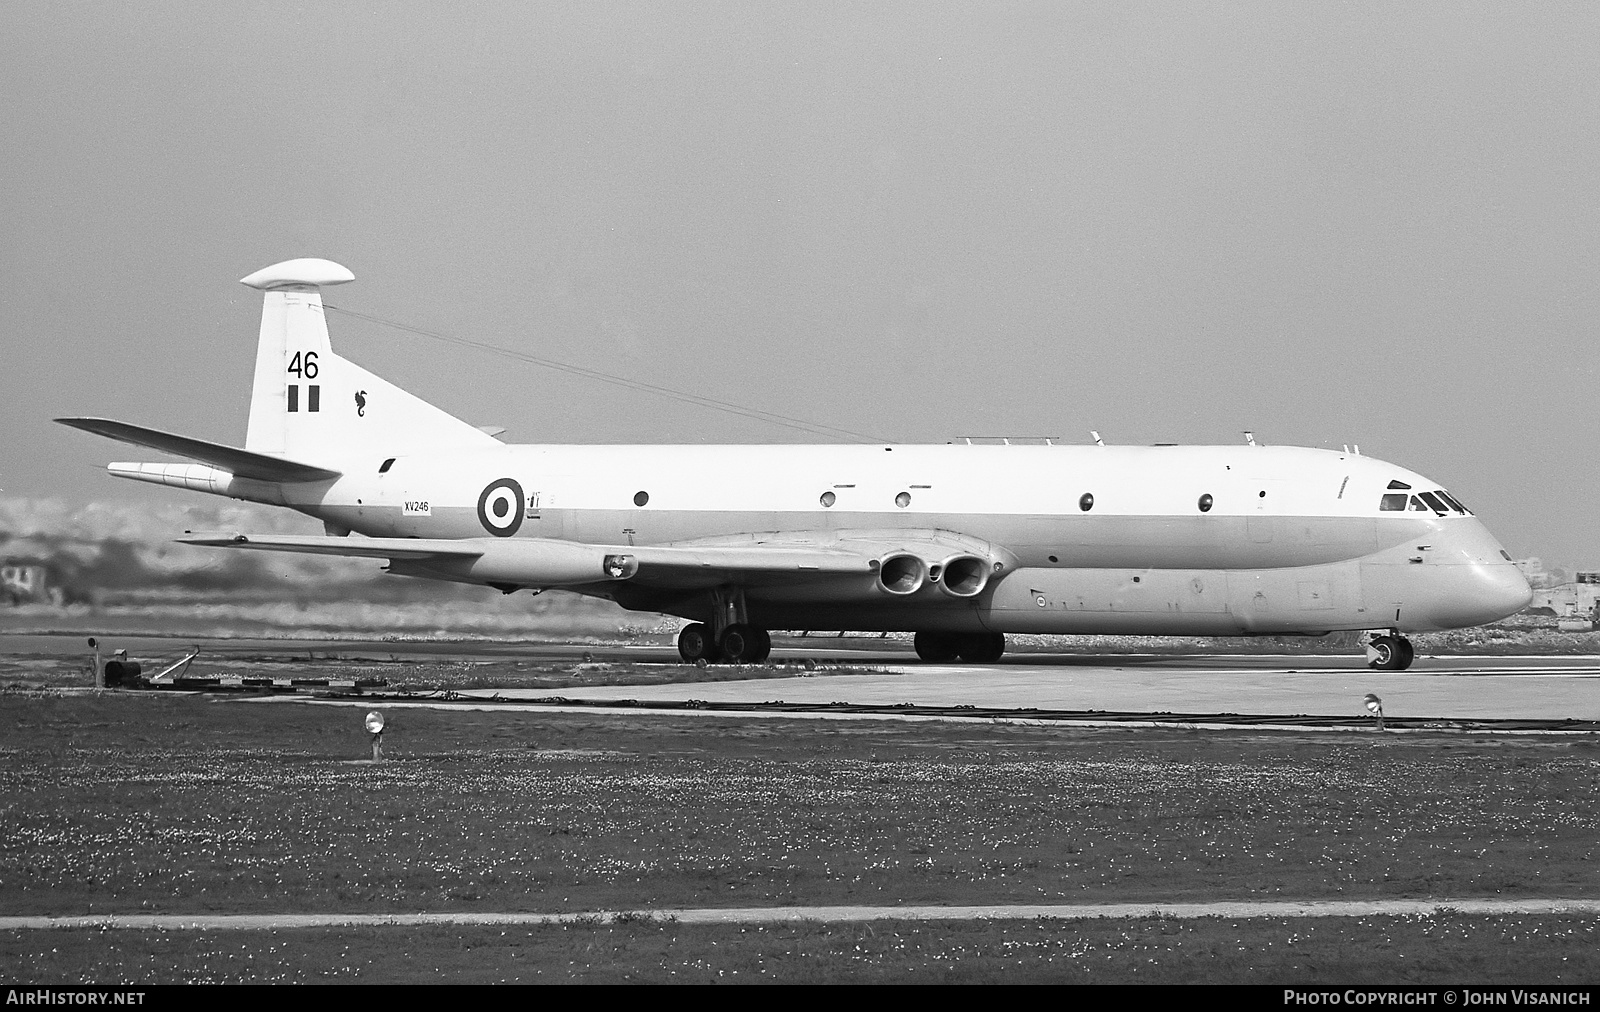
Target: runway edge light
{"x": 374, "y": 725}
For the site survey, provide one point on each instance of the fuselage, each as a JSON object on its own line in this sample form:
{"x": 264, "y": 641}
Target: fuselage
{"x": 958, "y": 542}
{"x": 1158, "y": 539}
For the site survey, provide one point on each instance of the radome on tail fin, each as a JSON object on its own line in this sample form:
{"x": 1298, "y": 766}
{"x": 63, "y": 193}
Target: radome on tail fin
{"x": 310, "y": 404}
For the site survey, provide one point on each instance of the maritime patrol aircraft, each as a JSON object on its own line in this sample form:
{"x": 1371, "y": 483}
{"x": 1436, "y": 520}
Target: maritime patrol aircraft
{"x": 959, "y": 544}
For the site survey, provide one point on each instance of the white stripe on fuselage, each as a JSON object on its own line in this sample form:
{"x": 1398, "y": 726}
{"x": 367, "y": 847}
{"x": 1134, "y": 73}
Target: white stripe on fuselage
{"x": 948, "y": 480}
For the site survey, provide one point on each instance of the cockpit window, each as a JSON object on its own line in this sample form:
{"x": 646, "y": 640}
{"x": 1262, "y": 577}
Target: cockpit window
{"x": 1434, "y": 501}
{"x": 1438, "y": 501}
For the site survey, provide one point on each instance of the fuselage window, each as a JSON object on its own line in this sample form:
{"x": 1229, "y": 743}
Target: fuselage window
{"x": 1442, "y": 494}
{"x": 1433, "y": 500}
{"x": 1086, "y": 502}
{"x": 1399, "y": 484}
{"x": 1205, "y": 503}
{"x": 1393, "y": 501}
{"x": 1418, "y": 506}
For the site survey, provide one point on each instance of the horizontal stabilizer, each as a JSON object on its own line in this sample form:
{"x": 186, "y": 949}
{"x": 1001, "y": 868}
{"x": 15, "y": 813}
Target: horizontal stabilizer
{"x": 243, "y": 463}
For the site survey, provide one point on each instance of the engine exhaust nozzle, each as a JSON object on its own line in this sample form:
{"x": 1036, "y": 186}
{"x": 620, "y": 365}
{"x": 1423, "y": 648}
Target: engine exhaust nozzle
{"x": 902, "y": 574}
{"x": 965, "y": 575}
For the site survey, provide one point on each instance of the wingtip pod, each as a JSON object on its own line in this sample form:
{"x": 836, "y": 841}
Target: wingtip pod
{"x": 307, "y": 271}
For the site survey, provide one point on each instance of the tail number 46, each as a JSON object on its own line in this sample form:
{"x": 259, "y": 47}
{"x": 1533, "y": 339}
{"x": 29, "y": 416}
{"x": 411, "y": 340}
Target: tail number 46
{"x": 304, "y": 365}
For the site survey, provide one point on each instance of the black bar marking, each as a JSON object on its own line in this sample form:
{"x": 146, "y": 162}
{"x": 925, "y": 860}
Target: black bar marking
{"x": 313, "y": 397}
{"x": 294, "y": 397}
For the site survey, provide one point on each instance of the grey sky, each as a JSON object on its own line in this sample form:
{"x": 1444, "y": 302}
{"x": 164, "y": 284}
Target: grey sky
{"x": 1368, "y": 223}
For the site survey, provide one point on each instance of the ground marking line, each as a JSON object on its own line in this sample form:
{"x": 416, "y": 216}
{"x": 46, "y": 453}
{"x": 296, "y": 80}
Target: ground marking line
{"x": 1446, "y": 725}
{"x": 822, "y": 914}
{"x": 1548, "y": 670}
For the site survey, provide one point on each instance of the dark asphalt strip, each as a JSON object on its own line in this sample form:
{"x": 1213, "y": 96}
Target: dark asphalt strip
{"x": 826, "y": 914}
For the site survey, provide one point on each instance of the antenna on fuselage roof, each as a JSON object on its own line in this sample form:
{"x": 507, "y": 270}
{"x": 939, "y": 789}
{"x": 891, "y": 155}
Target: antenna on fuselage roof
{"x": 1097, "y": 440}
{"x": 1249, "y": 437}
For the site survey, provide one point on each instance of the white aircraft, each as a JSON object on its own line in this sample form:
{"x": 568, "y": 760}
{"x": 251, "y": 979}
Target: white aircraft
{"x": 959, "y": 544}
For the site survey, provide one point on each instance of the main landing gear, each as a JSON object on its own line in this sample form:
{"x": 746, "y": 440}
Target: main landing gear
{"x": 729, "y": 636}
{"x": 1389, "y": 652}
{"x": 974, "y": 648}
{"x": 739, "y": 644}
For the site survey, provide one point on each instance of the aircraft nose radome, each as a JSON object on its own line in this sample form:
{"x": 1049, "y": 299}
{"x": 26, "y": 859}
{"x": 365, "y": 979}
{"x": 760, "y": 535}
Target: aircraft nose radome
{"x": 1500, "y": 591}
{"x": 1481, "y": 586}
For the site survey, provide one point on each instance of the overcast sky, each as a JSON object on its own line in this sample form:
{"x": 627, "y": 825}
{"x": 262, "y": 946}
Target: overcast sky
{"x": 1329, "y": 223}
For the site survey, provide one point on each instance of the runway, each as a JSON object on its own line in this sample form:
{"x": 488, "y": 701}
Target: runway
{"x": 1463, "y": 688}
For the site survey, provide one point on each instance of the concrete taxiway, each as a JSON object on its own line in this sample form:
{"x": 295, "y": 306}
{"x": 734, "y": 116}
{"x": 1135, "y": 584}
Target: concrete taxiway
{"x": 867, "y": 671}
{"x": 1534, "y": 688}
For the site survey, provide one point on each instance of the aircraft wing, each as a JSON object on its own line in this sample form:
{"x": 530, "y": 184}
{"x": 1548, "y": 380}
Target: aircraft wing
{"x": 683, "y": 568}
{"x": 370, "y": 548}
{"x": 244, "y": 463}
{"x": 541, "y": 562}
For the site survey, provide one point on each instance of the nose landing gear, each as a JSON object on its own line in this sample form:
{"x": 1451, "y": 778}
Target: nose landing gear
{"x": 1389, "y": 652}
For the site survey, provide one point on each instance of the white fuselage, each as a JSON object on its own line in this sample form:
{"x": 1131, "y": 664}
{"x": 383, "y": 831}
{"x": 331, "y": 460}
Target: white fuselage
{"x": 1294, "y": 539}
{"x": 958, "y": 539}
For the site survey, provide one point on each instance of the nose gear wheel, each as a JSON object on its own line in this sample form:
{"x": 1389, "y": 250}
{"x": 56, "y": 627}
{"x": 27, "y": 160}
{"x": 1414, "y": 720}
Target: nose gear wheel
{"x": 1390, "y": 653}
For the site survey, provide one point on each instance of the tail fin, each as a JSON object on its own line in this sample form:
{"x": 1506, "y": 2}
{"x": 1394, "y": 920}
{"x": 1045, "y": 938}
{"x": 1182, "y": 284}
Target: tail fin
{"x": 308, "y": 403}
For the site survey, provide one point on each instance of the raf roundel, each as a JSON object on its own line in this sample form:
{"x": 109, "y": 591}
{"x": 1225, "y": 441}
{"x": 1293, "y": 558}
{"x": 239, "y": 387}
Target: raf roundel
{"x": 500, "y": 508}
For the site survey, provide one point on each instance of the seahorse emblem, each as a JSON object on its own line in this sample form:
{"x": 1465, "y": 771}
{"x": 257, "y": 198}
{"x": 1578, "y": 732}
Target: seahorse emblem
{"x": 361, "y": 404}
